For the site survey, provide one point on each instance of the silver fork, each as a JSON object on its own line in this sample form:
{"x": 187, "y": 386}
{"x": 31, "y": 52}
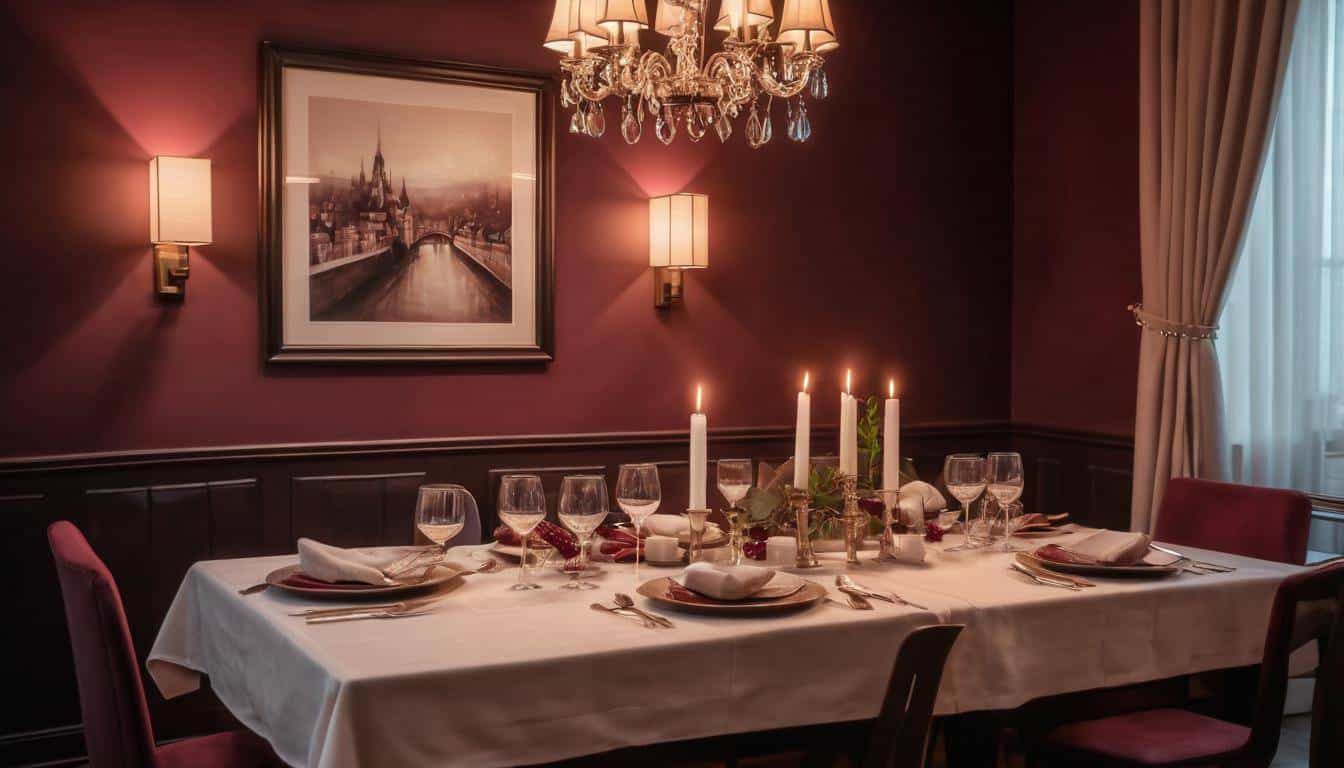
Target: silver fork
{"x": 1201, "y": 564}
{"x": 390, "y": 613}
{"x": 846, "y": 584}
{"x": 1044, "y": 580}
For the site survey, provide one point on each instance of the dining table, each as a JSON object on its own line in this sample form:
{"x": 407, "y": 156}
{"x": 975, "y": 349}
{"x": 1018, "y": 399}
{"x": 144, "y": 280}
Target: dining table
{"x": 495, "y": 677}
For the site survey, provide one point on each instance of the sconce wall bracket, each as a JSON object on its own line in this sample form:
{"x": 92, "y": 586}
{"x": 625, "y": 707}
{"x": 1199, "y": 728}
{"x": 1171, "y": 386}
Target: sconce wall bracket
{"x": 667, "y": 285}
{"x": 171, "y": 269}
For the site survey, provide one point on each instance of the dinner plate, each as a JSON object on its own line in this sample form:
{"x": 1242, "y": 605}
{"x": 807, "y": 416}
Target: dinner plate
{"x": 667, "y": 592}
{"x": 1152, "y": 571}
{"x": 350, "y": 591}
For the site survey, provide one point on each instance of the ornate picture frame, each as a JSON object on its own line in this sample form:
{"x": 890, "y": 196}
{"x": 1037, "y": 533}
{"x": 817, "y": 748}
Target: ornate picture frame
{"x": 440, "y": 249}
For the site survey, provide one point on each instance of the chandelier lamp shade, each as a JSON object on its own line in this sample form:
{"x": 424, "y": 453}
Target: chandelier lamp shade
{"x": 686, "y": 88}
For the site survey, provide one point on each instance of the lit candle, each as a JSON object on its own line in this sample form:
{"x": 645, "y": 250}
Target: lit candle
{"x": 698, "y": 426}
{"x": 891, "y": 440}
{"x": 849, "y": 429}
{"x": 801, "y": 435}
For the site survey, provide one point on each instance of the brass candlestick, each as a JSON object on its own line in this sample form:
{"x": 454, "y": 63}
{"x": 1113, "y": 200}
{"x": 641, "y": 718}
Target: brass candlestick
{"x": 854, "y": 519}
{"x": 891, "y": 499}
{"x": 805, "y": 558}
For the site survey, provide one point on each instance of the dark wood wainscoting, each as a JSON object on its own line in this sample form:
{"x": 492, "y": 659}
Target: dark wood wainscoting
{"x": 151, "y": 514}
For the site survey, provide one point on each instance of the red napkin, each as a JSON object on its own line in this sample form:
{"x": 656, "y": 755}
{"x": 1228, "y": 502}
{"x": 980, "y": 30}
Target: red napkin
{"x": 308, "y": 582}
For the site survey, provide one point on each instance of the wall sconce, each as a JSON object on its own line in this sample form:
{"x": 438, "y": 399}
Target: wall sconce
{"x": 678, "y": 241}
{"x": 179, "y": 217}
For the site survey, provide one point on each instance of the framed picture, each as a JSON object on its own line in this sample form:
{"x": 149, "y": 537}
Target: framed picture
{"x": 406, "y": 210}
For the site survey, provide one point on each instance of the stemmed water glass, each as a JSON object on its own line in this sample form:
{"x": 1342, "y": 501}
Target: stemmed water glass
{"x": 583, "y": 507}
{"x": 964, "y": 475}
{"x": 1003, "y": 476}
{"x": 638, "y": 494}
{"x": 441, "y": 511}
{"x": 734, "y": 478}
{"x": 522, "y": 506}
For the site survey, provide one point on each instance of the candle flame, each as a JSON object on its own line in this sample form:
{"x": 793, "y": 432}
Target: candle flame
{"x": 848, "y": 376}
{"x": 698, "y": 393}
{"x": 806, "y": 375}
{"x": 891, "y": 388}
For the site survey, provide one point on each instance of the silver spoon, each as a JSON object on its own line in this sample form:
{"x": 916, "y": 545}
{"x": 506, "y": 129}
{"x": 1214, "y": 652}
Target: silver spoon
{"x": 625, "y": 601}
{"x": 600, "y": 608}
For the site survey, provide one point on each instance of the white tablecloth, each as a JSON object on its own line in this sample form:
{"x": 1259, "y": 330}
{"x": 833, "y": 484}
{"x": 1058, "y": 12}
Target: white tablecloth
{"x": 495, "y": 677}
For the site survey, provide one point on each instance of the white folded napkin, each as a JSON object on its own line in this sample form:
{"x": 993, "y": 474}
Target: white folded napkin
{"x": 677, "y": 526}
{"x": 1113, "y": 547}
{"x": 725, "y": 582}
{"x": 363, "y": 565}
{"x": 919, "y": 497}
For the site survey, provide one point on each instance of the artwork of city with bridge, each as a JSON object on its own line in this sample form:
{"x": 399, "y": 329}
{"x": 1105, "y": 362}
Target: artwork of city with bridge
{"x": 410, "y": 216}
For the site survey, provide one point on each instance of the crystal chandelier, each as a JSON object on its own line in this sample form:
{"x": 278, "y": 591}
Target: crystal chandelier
{"x": 599, "y": 40}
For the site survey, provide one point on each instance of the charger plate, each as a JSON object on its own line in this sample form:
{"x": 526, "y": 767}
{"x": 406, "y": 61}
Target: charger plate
{"x": 280, "y": 578}
{"x": 1150, "y": 571}
{"x": 667, "y": 592}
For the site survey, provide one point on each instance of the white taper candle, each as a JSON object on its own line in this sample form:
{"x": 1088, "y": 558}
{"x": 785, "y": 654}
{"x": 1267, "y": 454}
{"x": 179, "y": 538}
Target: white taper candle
{"x": 802, "y": 434}
{"x": 891, "y": 440}
{"x": 699, "y": 426}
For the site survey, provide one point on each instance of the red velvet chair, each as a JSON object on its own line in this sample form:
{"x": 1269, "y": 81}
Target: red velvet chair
{"x": 117, "y": 731}
{"x": 1266, "y": 523}
{"x": 1176, "y": 737}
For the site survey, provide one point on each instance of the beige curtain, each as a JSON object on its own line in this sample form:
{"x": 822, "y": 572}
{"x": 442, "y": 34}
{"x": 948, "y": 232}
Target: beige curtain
{"x": 1209, "y": 77}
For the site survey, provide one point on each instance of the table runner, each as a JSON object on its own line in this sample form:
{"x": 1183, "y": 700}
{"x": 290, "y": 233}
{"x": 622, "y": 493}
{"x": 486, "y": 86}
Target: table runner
{"x": 495, "y": 677}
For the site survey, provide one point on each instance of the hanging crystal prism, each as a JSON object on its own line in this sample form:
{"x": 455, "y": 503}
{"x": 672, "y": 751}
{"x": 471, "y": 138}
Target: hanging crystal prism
{"x": 754, "y": 129}
{"x": 767, "y": 129}
{"x": 664, "y": 127}
{"x": 597, "y": 121}
{"x": 821, "y": 87}
{"x": 724, "y": 127}
{"x": 800, "y": 127}
{"x": 631, "y": 126}
{"x": 576, "y": 121}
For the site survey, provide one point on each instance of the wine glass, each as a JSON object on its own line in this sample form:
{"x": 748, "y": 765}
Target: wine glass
{"x": 964, "y": 475}
{"x": 1003, "y": 476}
{"x": 441, "y": 511}
{"x": 522, "y": 505}
{"x": 638, "y": 495}
{"x": 734, "y": 476}
{"x": 583, "y": 507}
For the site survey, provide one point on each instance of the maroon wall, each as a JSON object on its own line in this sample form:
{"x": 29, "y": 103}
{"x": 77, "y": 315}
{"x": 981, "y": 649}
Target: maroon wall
{"x": 1075, "y": 214}
{"x": 884, "y": 244}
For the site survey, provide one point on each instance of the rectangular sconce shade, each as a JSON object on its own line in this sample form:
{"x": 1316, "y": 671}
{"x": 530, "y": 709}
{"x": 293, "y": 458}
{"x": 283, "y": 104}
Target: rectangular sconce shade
{"x": 179, "y": 200}
{"x": 679, "y": 231}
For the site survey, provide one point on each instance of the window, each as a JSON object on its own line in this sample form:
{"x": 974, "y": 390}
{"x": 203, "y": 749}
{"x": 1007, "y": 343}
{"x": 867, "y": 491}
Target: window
{"x": 1281, "y": 344}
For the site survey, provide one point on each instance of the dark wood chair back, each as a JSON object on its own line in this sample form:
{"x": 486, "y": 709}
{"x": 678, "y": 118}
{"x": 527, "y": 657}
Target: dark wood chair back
{"x": 1324, "y": 583}
{"x": 1327, "y": 711}
{"x": 901, "y": 733}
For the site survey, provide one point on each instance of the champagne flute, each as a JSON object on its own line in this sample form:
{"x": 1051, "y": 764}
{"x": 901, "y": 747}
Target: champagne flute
{"x": 522, "y": 506}
{"x": 583, "y": 507}
{"x": 734, "y": 477}
{"x": 964, "y": 475}
{"x": 1004, "y": 479}
{"x": 638, "y": 494}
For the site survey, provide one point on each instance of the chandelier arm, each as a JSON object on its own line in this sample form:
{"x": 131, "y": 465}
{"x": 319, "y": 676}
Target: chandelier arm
{"x": 584, "y": 79}
{"x": 734, "y": 74}
{"x": 651, "y": 67}
{"x": 787, "y": 89}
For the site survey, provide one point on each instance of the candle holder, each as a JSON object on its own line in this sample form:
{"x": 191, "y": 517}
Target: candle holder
{"x": 805, "y": 558}
{"x": 891, "y": 499}
{"x": 697, "y": 519}
{"x": 854, "y": 519}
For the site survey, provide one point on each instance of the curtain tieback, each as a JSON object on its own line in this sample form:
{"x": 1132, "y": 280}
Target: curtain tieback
{"x": 1158, "y": 324}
